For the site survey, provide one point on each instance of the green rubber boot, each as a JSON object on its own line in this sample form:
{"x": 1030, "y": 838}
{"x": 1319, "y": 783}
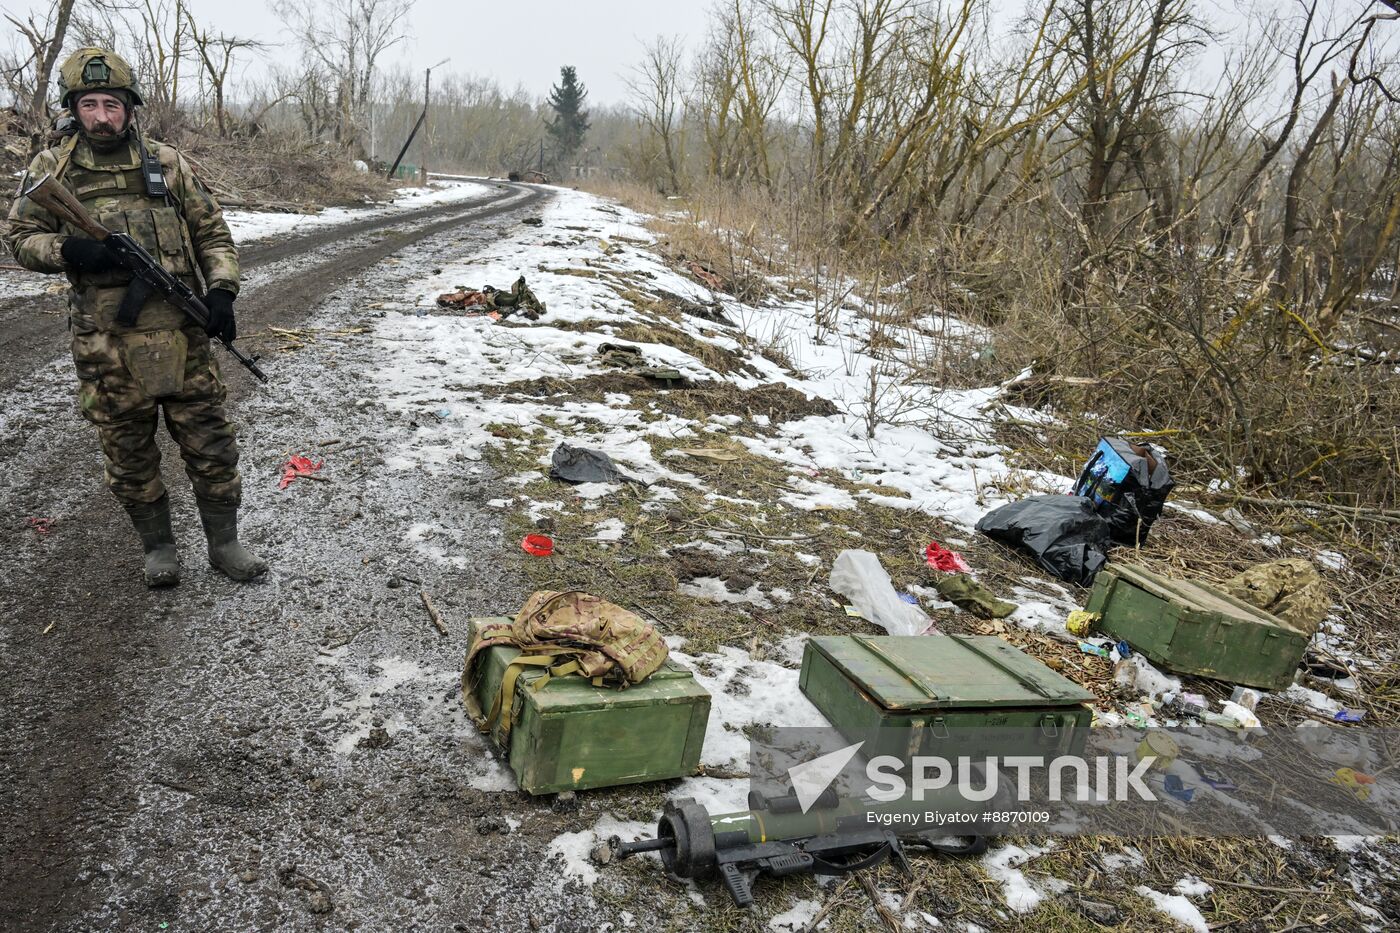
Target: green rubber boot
{"x": 152, "y": 521}
{"x": 225, "y": 553}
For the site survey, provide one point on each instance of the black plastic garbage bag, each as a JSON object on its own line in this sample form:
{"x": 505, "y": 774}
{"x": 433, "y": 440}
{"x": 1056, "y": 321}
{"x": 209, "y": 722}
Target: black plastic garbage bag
{"x": 581, "y": 465}
{"x": 1064, "y": 534}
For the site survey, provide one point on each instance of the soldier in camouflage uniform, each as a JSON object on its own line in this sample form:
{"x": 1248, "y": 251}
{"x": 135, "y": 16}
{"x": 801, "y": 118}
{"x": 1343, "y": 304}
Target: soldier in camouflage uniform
{"x": 130, "y": 373}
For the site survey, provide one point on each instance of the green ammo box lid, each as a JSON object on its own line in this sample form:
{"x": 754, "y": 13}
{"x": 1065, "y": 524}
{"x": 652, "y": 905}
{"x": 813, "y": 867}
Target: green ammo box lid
{"x": 1191, "y": 628}
{"x": 571, "y": 735}
{"x": 978, "y": 691}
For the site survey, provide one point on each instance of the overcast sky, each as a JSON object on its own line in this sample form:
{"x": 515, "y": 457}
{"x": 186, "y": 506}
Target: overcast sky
{"x": 515, "y": 42}
{"x": 524, "y": 43}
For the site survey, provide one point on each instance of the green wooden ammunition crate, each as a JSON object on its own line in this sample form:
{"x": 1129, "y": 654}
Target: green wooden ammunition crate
{"x": 1191, "y": 628}
{"x": 944, "y": 695}
{"x": 571, "y": 735}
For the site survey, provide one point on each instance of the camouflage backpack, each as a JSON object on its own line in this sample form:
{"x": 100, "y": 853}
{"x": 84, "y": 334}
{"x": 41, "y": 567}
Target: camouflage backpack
{"x": 562, "y": 633}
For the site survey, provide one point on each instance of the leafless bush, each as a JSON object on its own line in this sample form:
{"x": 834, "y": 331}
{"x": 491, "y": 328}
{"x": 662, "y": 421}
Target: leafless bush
{"x": 1216, "y": 266}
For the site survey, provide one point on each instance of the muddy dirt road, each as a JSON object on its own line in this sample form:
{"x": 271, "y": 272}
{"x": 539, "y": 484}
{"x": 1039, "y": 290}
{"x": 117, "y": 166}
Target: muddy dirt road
{"x": 289, "y": 754}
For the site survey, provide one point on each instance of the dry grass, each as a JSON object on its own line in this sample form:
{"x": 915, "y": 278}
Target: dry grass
{"x": 1256, "y": 884}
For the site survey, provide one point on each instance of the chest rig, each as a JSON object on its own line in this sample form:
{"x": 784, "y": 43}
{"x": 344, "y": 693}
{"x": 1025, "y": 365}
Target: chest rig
{"x": 116, "y": 194}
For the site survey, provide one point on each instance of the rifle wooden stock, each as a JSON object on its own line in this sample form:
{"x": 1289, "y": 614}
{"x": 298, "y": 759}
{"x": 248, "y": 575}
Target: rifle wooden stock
{"x": 149, "y": 276}
{"x": 60, "y": 202}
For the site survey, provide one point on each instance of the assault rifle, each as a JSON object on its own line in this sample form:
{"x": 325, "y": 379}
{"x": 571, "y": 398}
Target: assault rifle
{"x": 148, "y": 275}
{"x": 775, "y": 837}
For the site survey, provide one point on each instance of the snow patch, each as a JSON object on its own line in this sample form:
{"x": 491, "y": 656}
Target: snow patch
{"x": 1177, "y": 907}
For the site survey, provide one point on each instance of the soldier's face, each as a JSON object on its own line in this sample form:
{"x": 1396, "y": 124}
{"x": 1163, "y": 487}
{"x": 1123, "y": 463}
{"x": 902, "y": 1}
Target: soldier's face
{"x": 101, "y": 114}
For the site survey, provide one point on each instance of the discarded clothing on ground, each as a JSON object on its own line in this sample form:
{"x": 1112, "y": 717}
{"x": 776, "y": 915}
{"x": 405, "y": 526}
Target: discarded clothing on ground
{"x": 580, "y": 465}
{"x": 963, "y": 591}
{"x": 1129, "y": 484}
{"x": 859, "y": 576}
{"x": 298, "y": 466}
{"x": 625, "y": 356}
{"x": 1065, "y": 534}
{"x": 940, "y": 558}
{"x": 491, "y": 300}
{"x": 1290, "y": 589}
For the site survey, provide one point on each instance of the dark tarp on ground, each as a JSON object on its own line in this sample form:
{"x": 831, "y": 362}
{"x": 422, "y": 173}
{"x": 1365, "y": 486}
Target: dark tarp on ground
{"x": 1063, "y": 533}
{"x": 581, "y": 465}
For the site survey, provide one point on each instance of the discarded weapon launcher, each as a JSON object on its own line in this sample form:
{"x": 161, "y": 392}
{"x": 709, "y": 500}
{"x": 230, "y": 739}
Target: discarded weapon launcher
{"x": 148, "y": 275}
{"x": 775, "y": 837}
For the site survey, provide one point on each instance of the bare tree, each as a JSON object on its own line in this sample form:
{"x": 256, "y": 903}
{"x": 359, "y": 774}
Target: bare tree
{"x": 657, "y": 101}
{"x": 45, "y": 39}
{"x": 346, "y": 39}
{"x": 216, "y": 55}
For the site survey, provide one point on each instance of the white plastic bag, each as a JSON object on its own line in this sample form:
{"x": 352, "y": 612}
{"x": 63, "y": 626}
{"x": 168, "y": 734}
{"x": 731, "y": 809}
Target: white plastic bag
{"x": 859, "y": 576}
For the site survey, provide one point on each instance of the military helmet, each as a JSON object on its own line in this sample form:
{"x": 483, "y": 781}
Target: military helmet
{"x": 95, "y": 69}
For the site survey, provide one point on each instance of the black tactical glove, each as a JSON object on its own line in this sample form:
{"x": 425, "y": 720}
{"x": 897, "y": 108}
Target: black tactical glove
{"x": 87, "y": 255}
{"x": 221, "y": 324}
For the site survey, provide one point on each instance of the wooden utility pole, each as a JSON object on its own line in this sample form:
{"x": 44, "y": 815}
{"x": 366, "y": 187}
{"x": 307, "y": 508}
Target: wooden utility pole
{"x": 427, "y": 79}
{"x": 422, "y": 120}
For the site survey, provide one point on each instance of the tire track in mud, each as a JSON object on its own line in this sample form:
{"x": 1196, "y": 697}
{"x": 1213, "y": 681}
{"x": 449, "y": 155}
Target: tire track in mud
{"x": 67, "y": 697}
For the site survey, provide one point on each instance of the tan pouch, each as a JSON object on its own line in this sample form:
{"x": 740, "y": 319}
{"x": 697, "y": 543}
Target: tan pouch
{"x": 156, "y": 361}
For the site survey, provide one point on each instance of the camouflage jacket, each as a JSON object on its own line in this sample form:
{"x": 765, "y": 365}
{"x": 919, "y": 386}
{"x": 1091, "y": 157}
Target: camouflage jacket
{"x": 188, "y": 236}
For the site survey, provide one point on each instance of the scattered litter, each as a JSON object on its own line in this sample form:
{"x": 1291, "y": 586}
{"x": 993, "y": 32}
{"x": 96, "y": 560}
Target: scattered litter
{"x": 1327, "y": 667}
{"x": 1242, "y": 718}
{"x": 629, "y": 357}
{"x": 1359, "y": 784}
{"x": 718, "y": 454}
{"x": 580, "y": 465}
{"x": 1160, "y": 747}
{"x": 1063, "y": 533}
{"x": 858, "y": 576}
{"x": 966, "y": 593}
{"x": 41, "y": 526}
{"x": 1246, "y": 697}
{"x": 940, "y": 558}
{"x": 1173, "y": 786}
{"x": 1346, "y": 715}
{"x": 1080, "y": 622}
{"x": 494, "y": 301}
{"x": 1089, "y": 647}
{"x": 299, "y": 466}
{"x": 538, "y": 545}
{"x": 711, "y": 280}
{"x": 462, "y": 299}
{"x": 1195, "y": 701}
{"x": 1212, "y": 778}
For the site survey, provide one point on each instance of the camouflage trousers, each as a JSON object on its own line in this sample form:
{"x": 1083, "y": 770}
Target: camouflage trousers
{"x": 127, "y": 381}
